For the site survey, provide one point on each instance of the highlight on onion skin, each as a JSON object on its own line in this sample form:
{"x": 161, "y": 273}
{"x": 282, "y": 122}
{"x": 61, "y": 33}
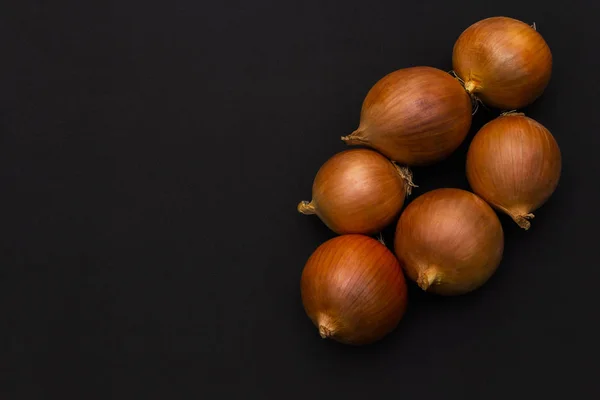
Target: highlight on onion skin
{"x": 358, "y": 191}
{"x": 415, "y": 116}
{"x": 353, "y": 290}
{"x": 504, "y": 62}
{"x": 449, "y": 241}
{"x": 514, "y": 163}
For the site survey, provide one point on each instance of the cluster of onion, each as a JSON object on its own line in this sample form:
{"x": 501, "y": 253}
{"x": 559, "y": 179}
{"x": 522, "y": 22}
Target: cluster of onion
{"x": 449, "y": 241}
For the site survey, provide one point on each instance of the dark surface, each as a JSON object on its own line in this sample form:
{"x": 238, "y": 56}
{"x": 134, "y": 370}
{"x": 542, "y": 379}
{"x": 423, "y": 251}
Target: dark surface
{"x": 152, "y": 154}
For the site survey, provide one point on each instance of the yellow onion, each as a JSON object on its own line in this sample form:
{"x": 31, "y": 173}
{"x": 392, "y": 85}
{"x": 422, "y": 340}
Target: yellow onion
{"x": 504, "y": 62}
{"x": 358, "y": 191}
{"x": 353, "y": 290}
{"x": 415, "y": 116}
{"x": 514, "y": 163}
{"x": 449, "y": 241}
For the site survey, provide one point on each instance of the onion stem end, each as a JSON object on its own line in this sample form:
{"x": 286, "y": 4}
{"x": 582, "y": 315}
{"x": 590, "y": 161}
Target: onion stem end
{"x": 523, "y": 220}
{"x": 354, "y": 138}
{"x": 306, "y": 208}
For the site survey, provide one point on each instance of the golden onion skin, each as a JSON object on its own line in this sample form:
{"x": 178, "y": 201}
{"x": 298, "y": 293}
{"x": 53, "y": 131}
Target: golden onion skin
{"x": 514, "y": 163}
{"x": 449, "y": 241}
{"x": 415, "y": 116}
{"x": 353, "y": 290}
{"x": 503, "y": 61}
{"x": 358, "y": 191}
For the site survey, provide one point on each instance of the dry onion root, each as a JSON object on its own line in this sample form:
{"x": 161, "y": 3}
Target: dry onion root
{"x": 449, "y": 241}
{"x": 506, "y": 63}
{"x": 514, "y": 163}
{"x": 358, "y": 191}
{"x": 415, "y": 116}
{"x": 353, "y": 290}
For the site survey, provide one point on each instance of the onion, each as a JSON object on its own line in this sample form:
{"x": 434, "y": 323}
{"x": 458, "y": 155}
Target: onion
{"x": 353, "y": 290}
{"x": 504, "y": 62}
{"x": 449, "y": 241}
{"x": 415, "y": 116}
{"x": 514, "y": 163}
{"x": 358, "y": 191}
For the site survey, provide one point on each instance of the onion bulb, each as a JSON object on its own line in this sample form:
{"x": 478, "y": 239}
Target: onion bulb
{"x": 504, "y": 62}
{"x": 358, "y": 191}
{"x": 514, "y": 163}
{"x": 353, "y": 290}
{"x": 415, "y": 116}
{"x": 449, "y": 241}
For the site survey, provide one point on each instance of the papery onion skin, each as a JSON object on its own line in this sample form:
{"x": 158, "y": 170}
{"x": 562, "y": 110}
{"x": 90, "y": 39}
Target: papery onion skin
{"x": 415, "y": 116}
{"x": 449, "y": 241}
{"x": 503, "y": 61}
{"x": 353, "y": 289}
{"x": 514, "y": 163}
{"x": 358, "y": 191}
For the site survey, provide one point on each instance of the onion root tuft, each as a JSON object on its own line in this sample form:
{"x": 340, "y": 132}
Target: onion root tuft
{"x": 324, "y": 332}
{"x": 427, "y": 278}
{"x": 406, "y": 174}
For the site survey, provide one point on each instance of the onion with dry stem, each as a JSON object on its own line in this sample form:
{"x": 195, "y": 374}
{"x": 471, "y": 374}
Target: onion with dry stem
{"x": 358, "y": 191}
{"x": 514, "y": 163}
{"x": 504, "y": 62}
{"x": 449, "y": 241}
{"x": 353, "y": 290}
{"x": 415, "y": 116}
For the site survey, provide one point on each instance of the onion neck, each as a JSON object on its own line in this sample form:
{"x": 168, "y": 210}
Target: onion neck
{"x": 519, "y": 214}
{"x": 427, "y": 278}
{"x": 307, "y": 208}
{"x": 355, "y": 138}
{"x": 523, "y": 220}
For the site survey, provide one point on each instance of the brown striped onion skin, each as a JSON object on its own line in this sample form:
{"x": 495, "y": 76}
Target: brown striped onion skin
{"x": 358, "y": 191}
{"x": 504, "y": 62}
{"x": 449, "y": 241}
{"x": 415, "y": 116}
{"x": 353, "y": 290}
{"x": 514, "y": 163}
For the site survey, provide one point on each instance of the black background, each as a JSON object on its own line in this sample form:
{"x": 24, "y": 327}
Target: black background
{"x": 152, "y": 154}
